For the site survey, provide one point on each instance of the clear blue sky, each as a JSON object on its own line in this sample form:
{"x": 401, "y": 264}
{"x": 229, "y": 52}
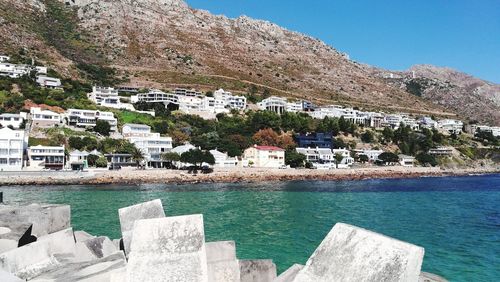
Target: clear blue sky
{"x": 462, "y": 34}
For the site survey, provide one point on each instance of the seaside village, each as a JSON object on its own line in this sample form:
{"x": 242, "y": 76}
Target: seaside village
{"x": 16, "y": 153}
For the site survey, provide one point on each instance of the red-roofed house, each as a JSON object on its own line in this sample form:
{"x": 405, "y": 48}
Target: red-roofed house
{"x": 264, "y": 156}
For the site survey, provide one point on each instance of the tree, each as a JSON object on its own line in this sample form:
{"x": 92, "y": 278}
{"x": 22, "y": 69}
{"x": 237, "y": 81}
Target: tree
{"x": 170, "y": 157}
{"x": 294, "y": 159}
{"x": 338, "y": 159}
{"x": 137, "y": 156}
{"x": 387, "y": 135}
{"x": 388, "y": 158}
{"x": 76, "y": 143}
{"x": 161, "y": 127}
{"x": 197, "y": 157}
{"x": 101, "y": 162}
{"x": 102, "y": 127}
{"x": 92, "y": 160}
{"x": 89, "y": 143}
{"x": 363, "y": 158}
{"x": 368, "y": 137}
{"x": 426, "y": 159}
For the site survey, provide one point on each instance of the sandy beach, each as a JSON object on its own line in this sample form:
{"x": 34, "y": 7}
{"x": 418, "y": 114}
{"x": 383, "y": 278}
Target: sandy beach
{"x": 228, "y": 175}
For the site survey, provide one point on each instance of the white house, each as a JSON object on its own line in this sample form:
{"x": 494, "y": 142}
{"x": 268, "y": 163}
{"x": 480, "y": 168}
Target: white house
{"x": 407, "y": 161}
{"x": 46, "y": 157}
{"x": 12, "y": 144}
{"x": 274, "y": 104}
{"x": 264, "y": 156}
{"x": 441, "y": 151}
{"x": 223, "y": 160}
{"x": 393, "y": 121}
{"x": 183, "y": 148}
{"x": 14, "y": 120}
{"x": 78, "y": 159}
{"x": 45, "y": 118}
{"x": 49, "y": 82}
{"x": 105, "y": 96}
{"x": 4, "y": 58}
{"x": 427, "y": 122}
{"x": 347, "y": 160}
{"x": 150, "y": 143}
{"x": 294, "y": 107}
{"x": 371, "y": 154}
{"x": 155, "y": 96}
{"x": 89, "y": 118}
{"x": 231, "y": 101}
{"x": 450, "y": 126}
{"x": 16, "y": 71}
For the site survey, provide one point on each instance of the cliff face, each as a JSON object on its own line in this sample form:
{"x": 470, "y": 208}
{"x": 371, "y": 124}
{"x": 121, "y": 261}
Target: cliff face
{"x": 165, "y": 42}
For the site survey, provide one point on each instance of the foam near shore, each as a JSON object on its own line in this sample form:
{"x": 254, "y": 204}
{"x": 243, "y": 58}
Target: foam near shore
{"x": 227, "y": 175}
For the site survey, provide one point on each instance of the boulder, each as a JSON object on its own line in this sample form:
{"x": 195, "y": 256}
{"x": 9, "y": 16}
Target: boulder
{"x": 45, "y": 219}
{"x": 222, "y": 263}
{"x": 350, "y": 253}
{"x": 99, "y": 270}
{"x": 172, "y": 247}
{"x": 33, "y": 259}
{"x": 128, "y": 215}
{"x": 263, "y": 270}
{"x": 289, "y": 274}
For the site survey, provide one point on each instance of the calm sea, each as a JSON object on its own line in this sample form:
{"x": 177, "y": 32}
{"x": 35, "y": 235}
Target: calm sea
{"x": 456, "y": 219}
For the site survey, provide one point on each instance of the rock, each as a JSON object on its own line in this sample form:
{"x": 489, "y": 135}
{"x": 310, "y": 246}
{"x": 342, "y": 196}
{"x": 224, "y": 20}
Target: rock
{"x": 430, "y": 277}
{"x": 222, "y": 263}
{"x": 99, "y": 270}
{"x": 172, "y": 247}
{"x": 33, "y": 259}
{"x": 290, "y": 274}
{"x": 9, "y": 277}
{"x": 128, "y": 215}
{"x": 350, "y": 253}
{"x": 81, "y": 236}
{"x": 257, "y": 270}
{"x": 45, "y": 219}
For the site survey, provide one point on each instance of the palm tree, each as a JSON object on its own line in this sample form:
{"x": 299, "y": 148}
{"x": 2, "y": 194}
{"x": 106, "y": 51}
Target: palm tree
{"x": 137, "y": 156}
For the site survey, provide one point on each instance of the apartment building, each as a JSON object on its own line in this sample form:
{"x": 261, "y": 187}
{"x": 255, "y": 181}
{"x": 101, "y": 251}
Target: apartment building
{"x": 314, "y": 140}
{"x": 19, "y": 70}
{"x": 274, "y": 104}
{"x": 228, "y": 100}
{"x": 45, "y": 118}
{"x": 12, "y": 120}
{"x": 12, "y": 145}
{"x": 450, "y": 126}
{"x": 155, "y": 96}
{"x": 150, "y": 143}
{"x": 46, "y": 157}
{"x": 89, "y": 118}
{"x": 264, "y": 156}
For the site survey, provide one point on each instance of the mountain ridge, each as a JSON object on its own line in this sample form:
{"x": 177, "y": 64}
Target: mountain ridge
{"x": 168, "y": 43}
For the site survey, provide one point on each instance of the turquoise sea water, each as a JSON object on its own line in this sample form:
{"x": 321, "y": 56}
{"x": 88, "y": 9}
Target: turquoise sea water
{"x": 456, "y": 219}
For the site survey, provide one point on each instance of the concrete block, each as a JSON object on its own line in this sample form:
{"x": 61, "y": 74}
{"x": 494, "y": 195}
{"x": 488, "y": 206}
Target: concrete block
{"x": 289, "y": 274}
{"x": 94, "y": 248}
{"x": 430, "y": 277}
{"x": 99, "y": 270}
{"x": 350, "y": 253}
{"x": 81, "y": 236}
{"x": 220, "y": 251}
{"x": 7, "y": 245}
{"x": 222, "y": 263}
{"x": 263, "y": 270}
{"x": 128, "y": 216}
{"x": 119, "y": 275}
{"x": 46, "y": 219}
{"x": 33, "y": 259}
{"x": 9, "y": 277}
{"x": 171, "y": 248}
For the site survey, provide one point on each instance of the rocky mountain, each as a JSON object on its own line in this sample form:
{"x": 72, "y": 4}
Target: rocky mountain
{"x": 165, "y": 43}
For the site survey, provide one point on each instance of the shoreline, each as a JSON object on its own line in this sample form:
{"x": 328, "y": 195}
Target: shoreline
{"x": 130, "y": 176}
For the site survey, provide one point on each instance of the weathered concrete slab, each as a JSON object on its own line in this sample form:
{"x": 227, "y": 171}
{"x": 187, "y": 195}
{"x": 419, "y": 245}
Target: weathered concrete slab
{"x": 128, "y": 215}
{"x": 430, "y": 277}
{"x": 81, "y": 236}
{"x": 46, "y": 219}
{"x": 7, "y": 245}
{"x": 9, "y": 277}
{"x": 220, "y": 251}
{"x": 94, "y": 248}
{"x": 119, "y": 275}
{"x": 223, "y": 265}
{"x": 99, "y": 270}
{"x": 350, "y": 253}
{"x": 289, "y": 274}
{"x": 263, "y": 270}
{"x": 33, "y": 259}
{"x": 171, "y": 247}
